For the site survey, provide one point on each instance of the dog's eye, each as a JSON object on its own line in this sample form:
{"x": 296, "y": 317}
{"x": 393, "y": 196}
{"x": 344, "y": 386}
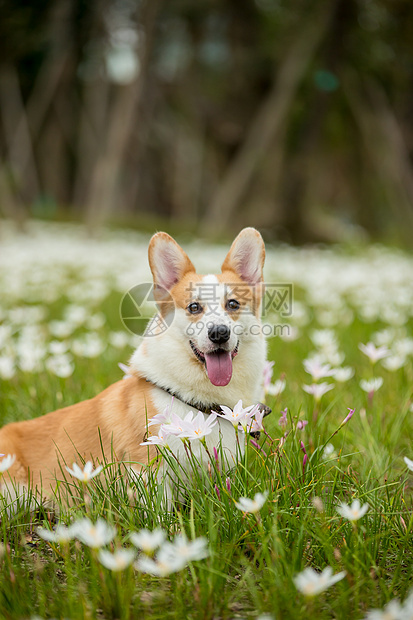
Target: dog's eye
{"x": 194, "y": 308}
{"x": 232, "y": 304}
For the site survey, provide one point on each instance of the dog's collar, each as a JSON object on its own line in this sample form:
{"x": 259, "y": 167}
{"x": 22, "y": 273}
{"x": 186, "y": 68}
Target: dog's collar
{"x": 210, "y": 408}
{"x": 196, "y": 405}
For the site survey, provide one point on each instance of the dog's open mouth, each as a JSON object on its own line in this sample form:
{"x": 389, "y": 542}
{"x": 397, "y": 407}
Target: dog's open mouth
{"x": 218, "y": 364}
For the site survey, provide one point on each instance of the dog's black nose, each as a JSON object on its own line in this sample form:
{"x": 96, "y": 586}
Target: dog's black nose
{"x": 218, "y": 334}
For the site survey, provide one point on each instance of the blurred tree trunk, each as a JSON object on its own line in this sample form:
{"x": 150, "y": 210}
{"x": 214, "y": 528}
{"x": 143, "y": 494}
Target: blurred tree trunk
{"x": 51, "y": 71}
{"x": 10, "y": 204}
{"x": 30, "y": 171}
{"x": 296, "y": 201}
{"x": 104, "y": 192}
{"x": 294, "y": 220}
{"x": 385, "y": 147}
{"x": 268, "y": 121}
{"x": 21, "y": 176}
{"x": 134, "y": 194}
{"x": 91, "y": 132}
{"x": 183, "y": 170}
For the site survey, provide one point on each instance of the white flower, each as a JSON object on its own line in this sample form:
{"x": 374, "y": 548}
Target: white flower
{"x": 85, "y": 474}
{"x": 90, "y": 345}
{"x": 384, "y": 337}
{"x": 148, "y": 541}
{"x": 76, "y": 314}
{"x": 161, "y": 439}
{"x": 335, "y": 358}
{"x": 119, "y": 560}
{"x": 328, "y": 451}
{"x": 324, "y": 338}
{"x": 60, "y": 365}
{"x": 267, "y": 373}
{"x": 254, "y": 421}
{"x": 93, "y": 535}
{"x": 354, "y": 512}
{"x": 252, "y": 505}
{"x": 316, "y": 369}
{"x": 409, "y": 463}
{"x": 31, "y": 359}
{"x": 57, "y": 347}
{"x": 7, "y": 462}
{"x": 408, "y": 607}
{"x": 403, "y": 347}
{"x": 310, "y": 582}
{"x": 119, "y": 340}
{"x": 7, "y": 367}
{"x": 374, "y": 353}
{"x": 394, "y": 362}
{"x": 173, "y": 557}
{"x": 61, "y": 534}
{"x": 318, "y": 389}
{"x": 61, "y": 329}
{"x": 292, "y": 333}
{"x": 164, "y": 565}
{"x": 392, "y": 611}
{"x": 199, "y": 427}
{"x": 177, "y": 425}
{"x": 237, "y": 415}
{"x": 371, "y": 385}
{"x": 343, "y": 374}
{"x": 189, "y": 427}
{"x": 162, "y": 418}
{"x": 96, "y": 321}
{"x": 190, "y": 550}
{"x": 5, "y": 332}
{"x": 276, "y": 388}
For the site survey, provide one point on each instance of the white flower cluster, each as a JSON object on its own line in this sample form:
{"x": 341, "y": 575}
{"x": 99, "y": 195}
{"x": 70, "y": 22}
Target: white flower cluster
{"x": 158, "y": 556}
{"x": 375, "y": 286}
{"x": 57, "y": 263}
{"x": 169, "y": 557}
{"x": 246, "y": 419}
{"x": 310, "y": 582}
{"x": 394, "y": 610}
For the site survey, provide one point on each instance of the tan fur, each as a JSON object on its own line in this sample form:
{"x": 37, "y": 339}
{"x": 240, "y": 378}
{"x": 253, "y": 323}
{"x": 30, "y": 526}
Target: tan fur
{"x": 115, "y": 419}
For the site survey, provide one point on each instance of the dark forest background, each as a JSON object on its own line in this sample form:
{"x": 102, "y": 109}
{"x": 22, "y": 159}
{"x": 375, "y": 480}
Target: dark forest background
{"x": 295, "y": 116}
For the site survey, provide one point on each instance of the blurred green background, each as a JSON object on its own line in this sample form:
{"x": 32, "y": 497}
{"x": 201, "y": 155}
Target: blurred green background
{"x": 208, "y": 115}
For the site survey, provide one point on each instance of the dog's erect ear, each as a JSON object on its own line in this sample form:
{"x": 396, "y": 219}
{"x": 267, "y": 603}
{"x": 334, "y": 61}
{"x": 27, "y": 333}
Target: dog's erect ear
{"x": 167, "y": 260}
{"x": 246, "y": 256}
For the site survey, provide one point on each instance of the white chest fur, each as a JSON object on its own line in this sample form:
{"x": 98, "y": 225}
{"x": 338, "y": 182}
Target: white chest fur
{"x": 229, "y": 443}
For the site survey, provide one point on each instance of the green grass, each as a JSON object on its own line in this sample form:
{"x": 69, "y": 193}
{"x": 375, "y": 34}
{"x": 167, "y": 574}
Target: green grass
{"x": 253, "y": 558}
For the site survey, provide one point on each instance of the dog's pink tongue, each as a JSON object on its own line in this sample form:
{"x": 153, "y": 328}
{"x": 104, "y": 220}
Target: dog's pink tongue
{"x": 219, "y": 367}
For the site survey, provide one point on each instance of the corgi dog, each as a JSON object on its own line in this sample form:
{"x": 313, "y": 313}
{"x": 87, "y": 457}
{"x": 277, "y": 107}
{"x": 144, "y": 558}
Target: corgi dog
{"x": 212, "y": 353}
